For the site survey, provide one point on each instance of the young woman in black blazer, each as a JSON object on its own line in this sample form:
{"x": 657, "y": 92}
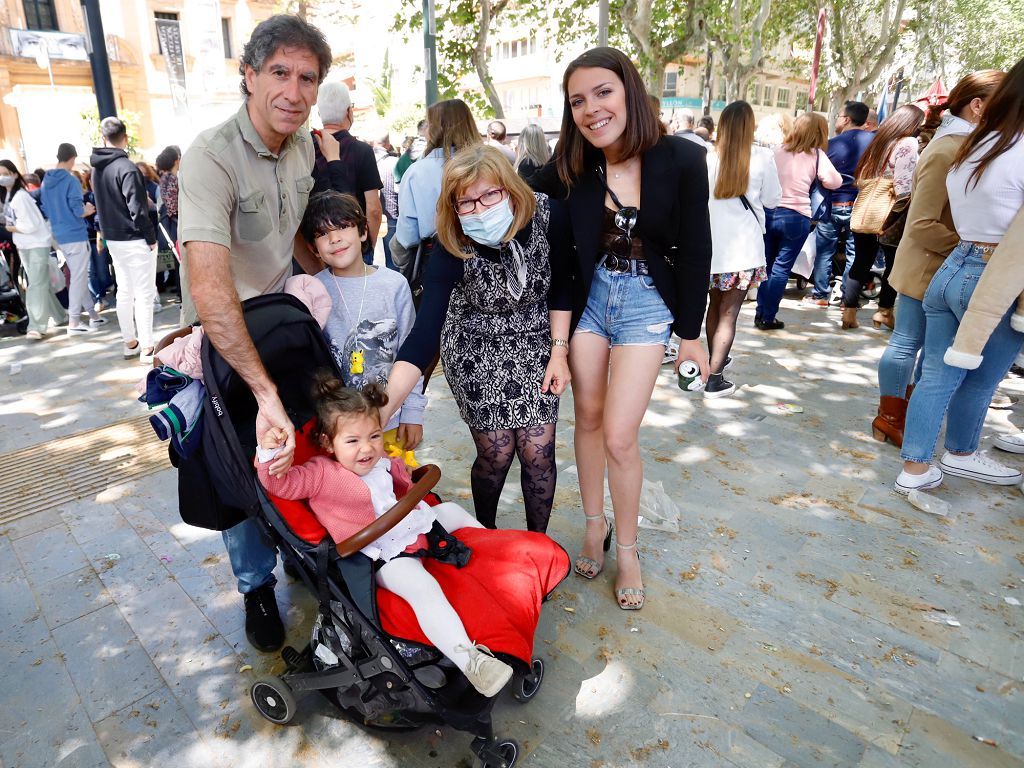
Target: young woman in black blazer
{"x": 638, "y": 205}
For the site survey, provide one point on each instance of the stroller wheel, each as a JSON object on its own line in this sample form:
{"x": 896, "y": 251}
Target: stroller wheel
{"x": 503, "y": 755}
{"x": 526, "y": 687}
{"x": 274, "y": 699}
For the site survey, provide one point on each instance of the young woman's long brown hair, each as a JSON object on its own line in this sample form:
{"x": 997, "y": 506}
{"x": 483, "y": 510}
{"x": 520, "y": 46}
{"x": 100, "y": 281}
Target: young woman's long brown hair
{"x": 976, "y": 85}
{"x": 642, "y": 127}
{"x": 450, "y": 126}
{"x": 735, "y": 140}
{"x": 1003, "y": 120}
{"x": 905, "y": 121}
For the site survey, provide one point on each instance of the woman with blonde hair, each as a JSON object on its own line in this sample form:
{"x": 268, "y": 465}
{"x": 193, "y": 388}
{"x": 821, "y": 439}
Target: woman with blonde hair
{"x": 532, "y": 152}
{"x": 891, "y": 155}
{"x": 801, "y": 161}
{"x": 744, "y": 182}
{"x": 450, "y": 127}
{"x": 496, "y": 302}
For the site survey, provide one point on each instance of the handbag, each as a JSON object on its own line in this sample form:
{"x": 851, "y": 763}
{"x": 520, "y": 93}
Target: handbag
{"x": 873, "y": 205}
{"x": 821, "y": 198}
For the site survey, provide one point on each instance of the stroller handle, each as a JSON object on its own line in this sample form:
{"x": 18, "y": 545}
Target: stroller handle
{"x": 425, "y": 478}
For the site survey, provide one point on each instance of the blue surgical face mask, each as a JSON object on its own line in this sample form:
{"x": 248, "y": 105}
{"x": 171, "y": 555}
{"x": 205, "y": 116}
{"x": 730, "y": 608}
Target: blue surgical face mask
{"x": 488, "y": 228}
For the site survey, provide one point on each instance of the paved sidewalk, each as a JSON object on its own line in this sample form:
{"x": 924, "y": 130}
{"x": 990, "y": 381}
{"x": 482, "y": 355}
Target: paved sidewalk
{"x": 802, "y": 616}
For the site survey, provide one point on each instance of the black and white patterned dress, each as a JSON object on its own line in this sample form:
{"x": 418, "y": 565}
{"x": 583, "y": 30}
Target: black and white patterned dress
{"x": 495, "y": 348}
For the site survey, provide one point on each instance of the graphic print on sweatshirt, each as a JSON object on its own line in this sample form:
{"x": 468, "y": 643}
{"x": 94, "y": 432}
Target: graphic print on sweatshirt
{"x": 368, "y": 353}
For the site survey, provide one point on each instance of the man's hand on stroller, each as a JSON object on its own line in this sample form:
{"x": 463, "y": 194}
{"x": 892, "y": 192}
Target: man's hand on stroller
{"x": 410, "y": 436}
{"x": 271, "y": 417}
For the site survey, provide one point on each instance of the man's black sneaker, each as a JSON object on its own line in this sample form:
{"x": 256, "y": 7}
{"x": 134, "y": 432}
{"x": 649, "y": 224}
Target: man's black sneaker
{"x": 768, "y": 325}
{"x": 717, "y": 386}
{"x": 263, "y": 626}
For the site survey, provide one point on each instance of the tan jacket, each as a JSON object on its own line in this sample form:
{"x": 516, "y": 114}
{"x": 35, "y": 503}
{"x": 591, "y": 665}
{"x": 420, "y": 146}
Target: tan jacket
{"x": 1001, "y": 283}
{"x": 930, "y": 236}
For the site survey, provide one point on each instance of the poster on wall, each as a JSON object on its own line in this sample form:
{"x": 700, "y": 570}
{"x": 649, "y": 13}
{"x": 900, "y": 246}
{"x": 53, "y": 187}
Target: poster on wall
{"x": 169, "y": 33}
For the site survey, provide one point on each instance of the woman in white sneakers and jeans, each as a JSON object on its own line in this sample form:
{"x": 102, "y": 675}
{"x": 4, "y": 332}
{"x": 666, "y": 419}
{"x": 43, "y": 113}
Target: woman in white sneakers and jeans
{"x": 986, "y": 191}
{"x": 743, "y": 181}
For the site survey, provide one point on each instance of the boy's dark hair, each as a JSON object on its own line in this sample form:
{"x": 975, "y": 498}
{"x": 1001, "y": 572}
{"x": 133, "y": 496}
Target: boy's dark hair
{"x": 329, "y": 210}
{"x": 857, "y": 111}
{"x": 65, "y": 152}
{"x": 334, "y": 399}
{"x": 113, "y": 130}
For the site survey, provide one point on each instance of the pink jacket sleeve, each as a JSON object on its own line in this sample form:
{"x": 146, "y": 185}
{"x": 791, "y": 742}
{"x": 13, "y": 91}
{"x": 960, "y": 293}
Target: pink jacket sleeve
{"x": 827, "y": 173}
{"x": 301, "y": 481}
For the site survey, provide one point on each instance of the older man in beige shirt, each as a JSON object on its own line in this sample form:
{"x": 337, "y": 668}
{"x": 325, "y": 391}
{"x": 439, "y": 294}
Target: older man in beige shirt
{"x": 243, "y": 187}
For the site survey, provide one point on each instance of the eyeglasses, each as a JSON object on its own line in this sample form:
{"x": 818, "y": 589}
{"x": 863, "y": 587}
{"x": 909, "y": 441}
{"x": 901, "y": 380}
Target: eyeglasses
{"x": 467, "y": 205}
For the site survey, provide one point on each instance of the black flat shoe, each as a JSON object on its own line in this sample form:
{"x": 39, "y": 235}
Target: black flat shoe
{"x": 768, "y": 325}
{"x": 263, "y": 626}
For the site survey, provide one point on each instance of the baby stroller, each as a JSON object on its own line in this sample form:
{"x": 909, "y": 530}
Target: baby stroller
{"x": 368, "y": 655}
{"x": 13, "y": 315}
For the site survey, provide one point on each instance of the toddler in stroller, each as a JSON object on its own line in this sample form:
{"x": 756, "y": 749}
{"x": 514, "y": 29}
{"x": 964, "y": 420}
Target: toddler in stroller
{"x": 354, "y": 484}
{"x": 369, "y": 656}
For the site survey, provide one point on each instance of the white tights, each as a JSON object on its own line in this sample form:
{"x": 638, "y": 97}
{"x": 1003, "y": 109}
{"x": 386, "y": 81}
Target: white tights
{"x": 407, "y": 578}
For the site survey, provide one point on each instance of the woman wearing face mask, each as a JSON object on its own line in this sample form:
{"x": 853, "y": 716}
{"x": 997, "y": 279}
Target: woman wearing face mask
{"x": 638, "y": 205}
{"x": 32, "y": 238}
{"x": 496, "y": 301}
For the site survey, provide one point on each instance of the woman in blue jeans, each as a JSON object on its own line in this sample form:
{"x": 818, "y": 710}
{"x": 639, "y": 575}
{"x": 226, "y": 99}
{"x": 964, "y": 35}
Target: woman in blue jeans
{"x": 986, "y": 191}
{"x": 800, "y": 161}
{"x": 927, "y": 241}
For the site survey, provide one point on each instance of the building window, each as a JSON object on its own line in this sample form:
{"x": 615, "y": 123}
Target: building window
{"x": 533, "y": 45}
{"x": 767, "y": 94}
{"x": 164, "y": 17}
{"x": 671, "y": 83}
{"x": 754, "y": 93}
{"x": 782, "y": 99}
{"x": 40, "y": 14}
{"x": 801, "y": 99}
{"x": 721, "y": 89}
{"x": 225, "y": 33}
{"x": 504, "y": 50}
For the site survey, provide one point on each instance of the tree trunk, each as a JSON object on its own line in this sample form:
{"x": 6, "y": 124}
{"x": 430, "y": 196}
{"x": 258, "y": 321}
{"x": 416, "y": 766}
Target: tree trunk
{"x": 479, "y": 57}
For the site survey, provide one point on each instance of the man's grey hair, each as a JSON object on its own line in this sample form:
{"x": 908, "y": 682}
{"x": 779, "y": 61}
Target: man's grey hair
{"x": 686, "y": 118}
{"x": 283, "y": 31}
{"x": 333, "y": 101}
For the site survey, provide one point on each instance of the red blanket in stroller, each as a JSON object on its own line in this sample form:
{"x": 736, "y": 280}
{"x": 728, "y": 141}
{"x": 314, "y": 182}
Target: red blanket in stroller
{"x": 498, "y": 594}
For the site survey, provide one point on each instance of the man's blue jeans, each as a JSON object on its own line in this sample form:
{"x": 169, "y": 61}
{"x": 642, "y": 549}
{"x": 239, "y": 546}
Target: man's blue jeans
{"x": 964, "y": 395}
{"x": 99, "y": 271}
{"x": 786, "y": 232}
{"x": 827, "y": 236}
{"x": 896, "y": 368}
{"x": 252, "y": 556}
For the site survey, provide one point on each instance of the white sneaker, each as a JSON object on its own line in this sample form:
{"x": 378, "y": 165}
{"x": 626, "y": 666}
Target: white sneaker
{"x": 980, "y": 467}
{"x": 77, "y": 330}
{"x": 33, "y": 335}
{"x": 157, "y": 307}
{"x": 907, "y": 482}
{"x": 146, "y": 356}
{"x": 95, "y": 322}
{"x": 130, "y": 352}
{"x": 671, "y": 352}
{"x": 487, "y": 674}
{"x": 1010, "y": 443}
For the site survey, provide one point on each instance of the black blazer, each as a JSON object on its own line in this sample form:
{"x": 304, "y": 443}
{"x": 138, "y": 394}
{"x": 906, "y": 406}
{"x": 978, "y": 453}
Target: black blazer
{"x": 673, "y": 224}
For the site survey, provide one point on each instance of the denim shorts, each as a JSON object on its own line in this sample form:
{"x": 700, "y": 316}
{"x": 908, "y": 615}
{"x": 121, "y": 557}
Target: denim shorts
{"x": 626, "y": 309}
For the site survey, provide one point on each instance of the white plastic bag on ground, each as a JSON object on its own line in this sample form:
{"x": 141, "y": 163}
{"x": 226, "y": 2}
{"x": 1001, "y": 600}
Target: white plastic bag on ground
{"x": 657, "y": 509}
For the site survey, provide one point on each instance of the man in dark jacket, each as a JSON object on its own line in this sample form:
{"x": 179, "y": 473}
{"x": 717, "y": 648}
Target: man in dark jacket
{"x": 123, "y": 209}
{"x": 66, "y": 209}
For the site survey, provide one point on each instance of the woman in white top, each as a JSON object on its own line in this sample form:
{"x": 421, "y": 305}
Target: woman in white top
{"x": 744, "y": 181}
{"x": 986, "y": 192}
{"x": 32, "y": 239}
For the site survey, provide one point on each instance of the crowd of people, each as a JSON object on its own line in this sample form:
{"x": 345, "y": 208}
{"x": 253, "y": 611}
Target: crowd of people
{"x": 528, "y": 272}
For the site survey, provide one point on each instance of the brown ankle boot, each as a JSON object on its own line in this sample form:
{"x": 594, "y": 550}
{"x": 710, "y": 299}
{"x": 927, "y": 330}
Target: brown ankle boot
{"x": 884, "y": 317}
{"x": 850, "y": 318}
{"x": 888, "y": 424}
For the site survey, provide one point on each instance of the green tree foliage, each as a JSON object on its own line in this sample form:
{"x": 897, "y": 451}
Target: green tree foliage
{"x": 132, "y": 120}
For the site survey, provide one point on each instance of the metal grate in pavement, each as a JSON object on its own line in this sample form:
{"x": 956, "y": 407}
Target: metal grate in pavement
{"x": 80, "y": 465}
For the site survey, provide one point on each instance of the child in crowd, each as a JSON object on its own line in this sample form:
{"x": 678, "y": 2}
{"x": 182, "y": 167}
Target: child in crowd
{"x": 372, "y": 311}
{"x": 354, "y": 484}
